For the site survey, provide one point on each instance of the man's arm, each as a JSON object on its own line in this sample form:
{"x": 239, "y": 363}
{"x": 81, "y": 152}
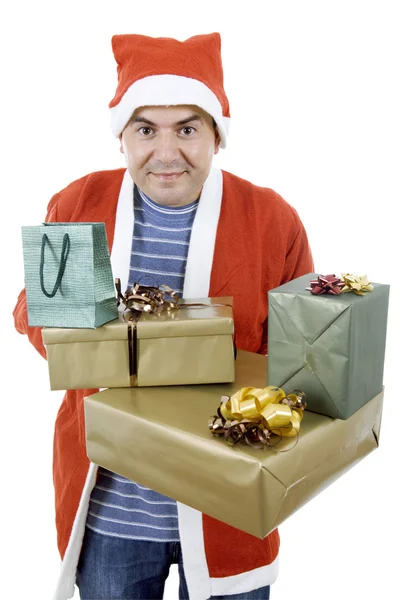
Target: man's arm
{"x": 299, "y": 259}
{"x": 298, "y": 262}
{"x": 20, "y": 312}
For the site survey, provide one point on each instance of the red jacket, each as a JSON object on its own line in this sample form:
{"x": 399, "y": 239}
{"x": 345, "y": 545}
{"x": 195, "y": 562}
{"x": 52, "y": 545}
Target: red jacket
{"x": 253, "y": 241}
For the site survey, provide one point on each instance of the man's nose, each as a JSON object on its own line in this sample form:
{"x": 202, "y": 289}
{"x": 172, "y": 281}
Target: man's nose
{"x": 166, "y": 148}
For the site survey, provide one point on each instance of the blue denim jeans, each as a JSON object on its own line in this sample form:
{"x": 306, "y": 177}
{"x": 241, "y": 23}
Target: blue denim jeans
{"x": 117, "y": 569}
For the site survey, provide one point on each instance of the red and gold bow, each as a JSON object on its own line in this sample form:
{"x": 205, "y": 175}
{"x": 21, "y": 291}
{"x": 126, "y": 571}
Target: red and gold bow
{"x": 330, "y": 284}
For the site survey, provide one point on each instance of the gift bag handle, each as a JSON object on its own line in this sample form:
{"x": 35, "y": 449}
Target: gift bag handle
{"x": 63, "y": 261}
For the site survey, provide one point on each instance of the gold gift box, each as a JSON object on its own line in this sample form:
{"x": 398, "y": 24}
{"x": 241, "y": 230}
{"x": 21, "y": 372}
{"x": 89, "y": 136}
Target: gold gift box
{"x": 192, "y": 345}
{"x": 159, "y": 437}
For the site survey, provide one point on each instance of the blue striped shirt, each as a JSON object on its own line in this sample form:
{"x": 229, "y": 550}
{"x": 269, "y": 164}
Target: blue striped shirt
{"x": 119, "y": 507}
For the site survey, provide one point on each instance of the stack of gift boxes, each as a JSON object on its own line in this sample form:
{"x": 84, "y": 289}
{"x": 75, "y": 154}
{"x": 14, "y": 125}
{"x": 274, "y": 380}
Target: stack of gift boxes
{"x": 167, "y": 372}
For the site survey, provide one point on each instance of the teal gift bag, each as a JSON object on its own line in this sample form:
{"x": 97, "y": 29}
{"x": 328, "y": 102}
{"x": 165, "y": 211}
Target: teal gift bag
{"x": 68, "y": 276}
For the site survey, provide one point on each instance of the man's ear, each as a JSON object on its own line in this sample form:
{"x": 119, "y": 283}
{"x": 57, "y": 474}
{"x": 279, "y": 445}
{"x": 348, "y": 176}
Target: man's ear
{"x": 217, "y": 142}
{"x": 121, "y": 147}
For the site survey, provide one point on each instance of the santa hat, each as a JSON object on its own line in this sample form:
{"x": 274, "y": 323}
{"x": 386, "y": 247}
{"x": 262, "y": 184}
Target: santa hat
{"x": 166, "y": 72}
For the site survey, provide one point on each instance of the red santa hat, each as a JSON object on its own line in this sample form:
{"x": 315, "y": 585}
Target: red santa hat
{"x": 166, "y": 72}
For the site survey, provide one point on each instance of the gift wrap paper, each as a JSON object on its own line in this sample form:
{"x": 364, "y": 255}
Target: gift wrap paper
{"x": 184, "y": 346}
{"x": 159, "y": 437}
{"x": 332, "y": 347}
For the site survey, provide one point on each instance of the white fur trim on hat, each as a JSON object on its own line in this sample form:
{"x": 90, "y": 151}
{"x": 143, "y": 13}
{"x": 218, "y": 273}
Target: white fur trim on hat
{"x": 168, "y": 90}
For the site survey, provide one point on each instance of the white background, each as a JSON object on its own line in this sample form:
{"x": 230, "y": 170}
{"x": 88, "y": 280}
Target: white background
{"x": 314, "y": 96}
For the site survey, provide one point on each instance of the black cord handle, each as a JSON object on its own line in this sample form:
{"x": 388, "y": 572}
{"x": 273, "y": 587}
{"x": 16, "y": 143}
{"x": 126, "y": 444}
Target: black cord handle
{"x": 63, "y": 261}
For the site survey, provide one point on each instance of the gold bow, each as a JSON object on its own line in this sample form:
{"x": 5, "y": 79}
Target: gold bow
{"x": 253, "y": 414}
{"x": 358, "y": 284}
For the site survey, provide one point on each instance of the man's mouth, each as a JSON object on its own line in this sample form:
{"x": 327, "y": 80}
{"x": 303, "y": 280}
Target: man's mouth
{"x": 168, "y": 176}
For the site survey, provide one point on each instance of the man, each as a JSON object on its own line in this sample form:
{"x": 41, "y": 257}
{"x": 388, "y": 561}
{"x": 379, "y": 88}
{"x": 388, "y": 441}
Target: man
{"x": 173, "y": 217}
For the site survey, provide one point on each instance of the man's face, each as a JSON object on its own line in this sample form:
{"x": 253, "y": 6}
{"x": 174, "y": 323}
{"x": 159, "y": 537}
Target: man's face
{"x": 169, "y": 152}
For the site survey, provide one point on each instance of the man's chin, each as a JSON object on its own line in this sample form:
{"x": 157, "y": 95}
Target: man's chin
{"x": 166, "y": 198}
{"x": 170, "y": 194}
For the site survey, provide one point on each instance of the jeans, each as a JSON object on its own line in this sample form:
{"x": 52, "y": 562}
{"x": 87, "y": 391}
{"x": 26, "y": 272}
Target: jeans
{"x": 118, "y": 569}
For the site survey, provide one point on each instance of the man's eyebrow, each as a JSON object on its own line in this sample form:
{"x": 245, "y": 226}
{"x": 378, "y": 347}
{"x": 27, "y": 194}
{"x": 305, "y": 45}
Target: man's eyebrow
{"x": 140, "y": 119}
{"x": 193, "y": 117}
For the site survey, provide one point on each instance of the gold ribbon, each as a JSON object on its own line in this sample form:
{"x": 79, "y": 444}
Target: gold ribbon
{"x": 359, "y": 284}
{"x": 132, "y": 349}
{"x": 138, "y": 299}
{"x": 253, "y": 414}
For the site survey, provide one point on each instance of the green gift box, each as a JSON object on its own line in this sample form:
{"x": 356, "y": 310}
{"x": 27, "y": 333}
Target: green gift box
{"x": 330, "y": 346}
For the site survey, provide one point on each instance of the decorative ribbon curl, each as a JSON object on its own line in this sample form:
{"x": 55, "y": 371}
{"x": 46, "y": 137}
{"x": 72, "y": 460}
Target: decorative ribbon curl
{"x": 358, "y": 284}
{"x": 326, "y": 284}
{"x": 253, "y": 415}
{"x": 146, "y": 298}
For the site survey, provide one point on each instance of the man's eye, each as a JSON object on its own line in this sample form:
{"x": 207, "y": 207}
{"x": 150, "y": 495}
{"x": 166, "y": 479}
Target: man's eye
{"x": 187, "y": 130}
{"x": 145, "y": 130}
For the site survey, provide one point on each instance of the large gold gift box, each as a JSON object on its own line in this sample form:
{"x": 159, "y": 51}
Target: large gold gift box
{"x": 159, "y": 437}
{"x": 191, "y": 345}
